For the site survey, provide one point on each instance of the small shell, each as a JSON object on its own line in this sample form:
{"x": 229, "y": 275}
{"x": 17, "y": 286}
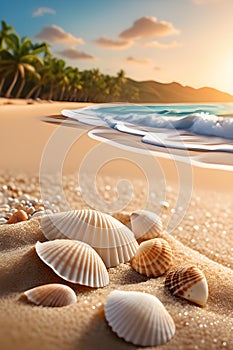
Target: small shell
{"x": 153, "y": 257}
{"x": 145, "y": 225}
{"x": 112, "y": 240}
{"x": 189, "y": 283}
{"x": 74, "y": 261}
{"x": 19, "y": 215}
{"x": 54, "y": 295}
{"x": 139, "y": 318}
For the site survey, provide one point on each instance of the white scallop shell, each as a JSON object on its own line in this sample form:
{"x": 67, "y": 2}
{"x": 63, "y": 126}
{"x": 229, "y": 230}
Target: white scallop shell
{"x": 54, "y": 295}
{"x": 139, "y": 318}
{"x": 145, "y": 225}
{"x": 188, "y": 282}
{"x": 74, "y": 261}
{"x": 112, "y": 240}
{"x": 153, "y": 257}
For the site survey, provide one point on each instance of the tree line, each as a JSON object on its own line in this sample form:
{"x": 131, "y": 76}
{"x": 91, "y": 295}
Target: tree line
{"x": 29, "y": 70}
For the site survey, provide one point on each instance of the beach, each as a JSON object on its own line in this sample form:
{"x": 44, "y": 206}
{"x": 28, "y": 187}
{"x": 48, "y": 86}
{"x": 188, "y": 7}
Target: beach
{"x": 194, "y": 203}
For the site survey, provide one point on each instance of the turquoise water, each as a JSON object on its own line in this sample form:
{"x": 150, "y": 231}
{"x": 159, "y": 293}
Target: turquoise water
{"x": 203, "y": 128}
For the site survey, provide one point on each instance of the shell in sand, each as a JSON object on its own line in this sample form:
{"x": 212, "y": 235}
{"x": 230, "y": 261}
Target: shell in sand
{"x": 139, "y": 318}
{"x": 74, "y": 261}
{"x": 188, "y": 282}
{"x": 145, "y": 225}
{"x": 153, "y": 258}
{"x": 112, "y": 240}
{"x": 53, "y": 295}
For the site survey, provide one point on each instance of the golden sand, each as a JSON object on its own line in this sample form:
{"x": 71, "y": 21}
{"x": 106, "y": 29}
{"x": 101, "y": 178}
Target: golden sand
{"x": 203, "y": 237}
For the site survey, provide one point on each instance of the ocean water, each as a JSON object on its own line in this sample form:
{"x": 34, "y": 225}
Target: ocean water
{"x": 204, "y": 132}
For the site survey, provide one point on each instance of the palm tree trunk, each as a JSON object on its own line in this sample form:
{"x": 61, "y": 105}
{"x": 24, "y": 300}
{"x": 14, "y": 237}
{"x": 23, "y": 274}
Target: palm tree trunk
{"x": 38, "y": 92}
{"x": 1, "y": 85}
{"x": 12, "y": 85}
{"x": 62, "y": 93}
{"x": 51, "y": 92}
{"x": 73, "y": 95}
{"x": 20, "y": 88}
{"x": 31, "y": 92}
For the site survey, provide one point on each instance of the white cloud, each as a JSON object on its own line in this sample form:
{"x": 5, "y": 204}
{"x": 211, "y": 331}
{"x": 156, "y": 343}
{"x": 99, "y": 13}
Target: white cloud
{"x": 42, "y": 11}
{"x": 109, "y": 43}
{"x": 75, "y": 54}
{"x": 56, "y": 34}
{"x": 136, "y": 60}
{"x": 145, "y": 27}
{"x": 142, "y": 28}
{"x": 159, "y": 45}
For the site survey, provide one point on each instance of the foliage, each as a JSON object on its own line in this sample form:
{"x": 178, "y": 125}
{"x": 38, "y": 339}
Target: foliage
{"x": 29, "y": 70}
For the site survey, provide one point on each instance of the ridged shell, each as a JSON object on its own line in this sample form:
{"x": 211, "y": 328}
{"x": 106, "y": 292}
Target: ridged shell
{"x": 139, "y": 318}
{"x": 153, "y": 257}
{"x": 53, "y": 295}
{"x": 145, "y": 225}
{"x": 112, "y": 240}
{"x": 188, "y": 282}
{"x": 74, "y": 261}
{"x": 123, "y": 217}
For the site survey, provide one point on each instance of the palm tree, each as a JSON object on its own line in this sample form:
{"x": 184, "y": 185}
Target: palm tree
{"x": 20, "y": 59}
{"x": 43, "y": 47}
{"x": 54, "y": 76}
{"x": 5, "y": 35}
{"x": 75, "y": 84}
{"x": 29, "y": 69}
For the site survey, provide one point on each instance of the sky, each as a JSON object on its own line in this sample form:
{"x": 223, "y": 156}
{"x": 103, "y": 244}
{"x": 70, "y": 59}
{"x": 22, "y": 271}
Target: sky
{"x": 187, "y": 41}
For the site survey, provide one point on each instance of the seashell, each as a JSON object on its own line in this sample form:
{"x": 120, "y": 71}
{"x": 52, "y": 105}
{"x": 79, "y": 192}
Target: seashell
{"x": 112, "y": 240}
{"x": 152, "y": 258}
{"x": 74, "y": 261}
{"x": 145, "y": 225}
{"x": 139, "y": 318}
{"x": 19, "y": 215}
{"x": 123, "y": 217}
{"x": 164, "y": 204}
{"x": 41, "y": 213}
{"x": 189, "y": 283}
{"x": 54, "y": 295}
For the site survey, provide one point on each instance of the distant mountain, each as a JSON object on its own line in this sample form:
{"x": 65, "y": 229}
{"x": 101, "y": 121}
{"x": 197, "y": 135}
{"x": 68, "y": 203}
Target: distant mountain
{"x": 153, "y": 92}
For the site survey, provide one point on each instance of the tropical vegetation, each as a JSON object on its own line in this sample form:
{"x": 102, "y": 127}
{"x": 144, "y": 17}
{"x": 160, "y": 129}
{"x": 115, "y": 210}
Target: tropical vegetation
{"x": 29, "y": 70}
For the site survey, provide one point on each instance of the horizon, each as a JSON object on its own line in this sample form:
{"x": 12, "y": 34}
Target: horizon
{"x": 151, "y": 41}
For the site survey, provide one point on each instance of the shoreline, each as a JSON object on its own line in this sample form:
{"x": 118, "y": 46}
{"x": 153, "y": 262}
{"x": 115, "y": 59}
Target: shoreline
{"x": 194, "y": 204}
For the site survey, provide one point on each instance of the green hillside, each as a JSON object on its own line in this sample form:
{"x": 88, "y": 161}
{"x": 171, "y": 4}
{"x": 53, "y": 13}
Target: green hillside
{"x": 155, "y": 92}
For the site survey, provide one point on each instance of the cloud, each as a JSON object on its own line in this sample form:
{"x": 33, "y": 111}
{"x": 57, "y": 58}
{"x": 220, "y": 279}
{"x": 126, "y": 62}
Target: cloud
{"x": 117, "y": 44}
{"x": 142, "y": 28}
{"x": 157, "y": 44}
{"x": 145, "y": 27}
{"x": 56, "y": 34}
{"x": 43, "y": 10}
{"x": 75, "y": 54}
{"x": 136, "y": 60}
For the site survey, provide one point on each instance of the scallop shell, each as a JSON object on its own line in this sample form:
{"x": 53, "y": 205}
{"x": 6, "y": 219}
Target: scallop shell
{"x": 189, "y": 283}
{"x": 153, "y": 257}
{"x": 112, "y": 240}
{"x": 145, "y": 225}
{"x": 74, "y": 261}
{"x": 123, "y": 217}
{"x": 139, "y": 318}
{"x": 54, "y": 295}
